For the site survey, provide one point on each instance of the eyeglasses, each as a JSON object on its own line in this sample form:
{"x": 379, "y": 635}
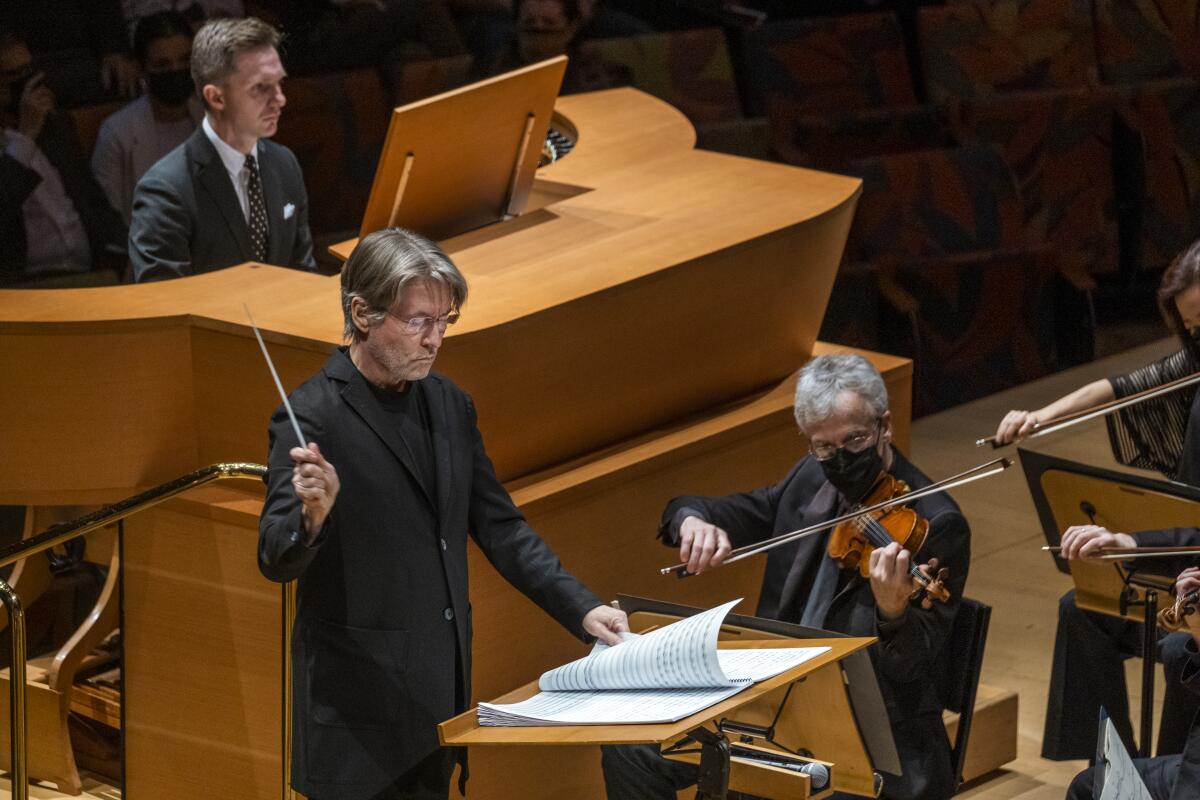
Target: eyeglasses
{"x": 415, "y": 325}
{"x": 855, "y": 444}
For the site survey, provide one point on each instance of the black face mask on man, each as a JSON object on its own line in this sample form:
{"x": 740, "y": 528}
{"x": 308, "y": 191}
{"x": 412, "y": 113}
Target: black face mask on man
{"x": 853, "y": 474}
{"x": 171, "y": 88}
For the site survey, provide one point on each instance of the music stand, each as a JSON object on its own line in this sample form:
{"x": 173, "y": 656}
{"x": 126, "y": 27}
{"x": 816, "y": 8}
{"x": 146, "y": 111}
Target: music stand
{"x": 811, "y": 687}
{"x": 464, "y": 158}
{"x": 1068, "y": 493}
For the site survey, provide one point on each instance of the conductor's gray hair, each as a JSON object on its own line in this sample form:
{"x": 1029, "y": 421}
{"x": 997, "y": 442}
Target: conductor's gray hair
{"x": 386, "y": 261}
{"x": 824, "y": 379}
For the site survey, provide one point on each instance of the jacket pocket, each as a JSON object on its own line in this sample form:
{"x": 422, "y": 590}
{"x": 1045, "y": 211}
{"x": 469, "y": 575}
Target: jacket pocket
{"x": 356, "y": 675}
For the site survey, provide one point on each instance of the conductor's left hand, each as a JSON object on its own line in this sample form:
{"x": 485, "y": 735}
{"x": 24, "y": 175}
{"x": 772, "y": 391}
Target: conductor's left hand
{"x": 606, "y": 624}
{"x": 316, "y": 484}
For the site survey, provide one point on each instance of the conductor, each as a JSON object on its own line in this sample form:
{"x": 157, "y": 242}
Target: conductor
{"x": 372, "y": 518}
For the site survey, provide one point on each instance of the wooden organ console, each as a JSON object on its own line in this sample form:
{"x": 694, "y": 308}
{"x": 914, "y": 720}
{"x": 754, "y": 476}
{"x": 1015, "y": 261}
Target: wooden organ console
{"x": 629, "y": 337}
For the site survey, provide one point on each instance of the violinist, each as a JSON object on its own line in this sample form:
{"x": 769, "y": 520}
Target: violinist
{"x": 841, "y": 407}
{"x": 1163, "y": 433}
{"x": 1090, "y": 649}
{"x": 1175, "y": 776}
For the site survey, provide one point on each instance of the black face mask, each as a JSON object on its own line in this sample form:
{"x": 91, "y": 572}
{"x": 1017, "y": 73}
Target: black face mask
{"x": 171, "y": 88}
{"x": 853, "y": 474}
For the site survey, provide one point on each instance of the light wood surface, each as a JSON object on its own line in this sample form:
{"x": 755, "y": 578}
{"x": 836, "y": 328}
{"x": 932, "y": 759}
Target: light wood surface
{"x": 203, "y": 658}
{"x": 465, "y": 729}
{"x": 474, "y": 152}
{"x": 673, "y": 281}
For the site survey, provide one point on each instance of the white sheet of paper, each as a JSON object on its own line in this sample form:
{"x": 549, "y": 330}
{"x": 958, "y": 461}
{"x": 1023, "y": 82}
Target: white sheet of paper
{"x": 1121, "y": 778}
{"x": 613, "y": 707}
{"x": 676, "y": 656}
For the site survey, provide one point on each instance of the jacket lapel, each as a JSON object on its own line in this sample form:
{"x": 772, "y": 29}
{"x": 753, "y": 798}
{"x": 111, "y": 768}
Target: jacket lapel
{"x": 214, "y": 179}
{"x": 799, "y": 578}
{"x": 273, "y": 199}
{"x": 358, "y": 396}
{"x": 435, "y": 401}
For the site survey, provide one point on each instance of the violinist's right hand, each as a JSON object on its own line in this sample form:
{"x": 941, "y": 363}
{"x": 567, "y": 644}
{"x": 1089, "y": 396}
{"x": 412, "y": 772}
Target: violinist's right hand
{"x": 702, "y": 545}
{"x": 1086, "y": 541}
{"x": 1016, "y": 425}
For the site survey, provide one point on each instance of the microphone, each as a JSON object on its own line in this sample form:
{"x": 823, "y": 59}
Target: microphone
{"x": 818, "y": 774}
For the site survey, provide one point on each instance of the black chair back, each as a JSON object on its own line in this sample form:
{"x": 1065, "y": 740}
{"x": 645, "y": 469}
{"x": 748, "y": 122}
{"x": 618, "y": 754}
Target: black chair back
{"x": 961, "y": 665}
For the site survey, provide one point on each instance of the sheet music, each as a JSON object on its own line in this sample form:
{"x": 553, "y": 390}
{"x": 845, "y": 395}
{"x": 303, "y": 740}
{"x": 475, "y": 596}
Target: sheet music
{"x": 677, "y": 656}
{"x": 604, "y": 708}
{"x": 758, "y": 665}
{"x": 1121, "y": 779}
{"x": 661, "y": 676}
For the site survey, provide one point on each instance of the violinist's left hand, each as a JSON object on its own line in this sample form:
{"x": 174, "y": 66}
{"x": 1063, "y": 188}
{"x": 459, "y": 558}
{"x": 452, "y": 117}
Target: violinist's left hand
{"x": 890, "y": 580}
{"x": 1189, "y": 581}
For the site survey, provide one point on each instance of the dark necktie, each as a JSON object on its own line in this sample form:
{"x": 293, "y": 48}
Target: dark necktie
{"x": 258, "y": 209}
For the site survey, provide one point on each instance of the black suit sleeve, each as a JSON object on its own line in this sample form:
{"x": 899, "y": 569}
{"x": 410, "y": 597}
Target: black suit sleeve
{"x": 747, "y": 517}
{"x": 515, "y": 549}
{"x": 160, "y": 231}
{"x": 302, "y": 248}
{"x": 1168, "y": 537}
{"x": 908, "y": 646}
{"x": 284, "y": 552}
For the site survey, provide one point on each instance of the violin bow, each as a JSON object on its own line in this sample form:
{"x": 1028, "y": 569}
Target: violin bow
{"x": 1104, "y": 409}
{"x": 1130, "y": 553}
{"x": 967, "y": 476}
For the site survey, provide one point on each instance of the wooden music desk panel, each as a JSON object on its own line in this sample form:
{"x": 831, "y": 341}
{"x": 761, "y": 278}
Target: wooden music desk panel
{"x": 650, "y": 281}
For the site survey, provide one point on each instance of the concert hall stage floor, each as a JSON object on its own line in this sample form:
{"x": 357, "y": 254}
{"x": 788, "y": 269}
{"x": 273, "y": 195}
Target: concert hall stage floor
{"x": 1008, "y": 570}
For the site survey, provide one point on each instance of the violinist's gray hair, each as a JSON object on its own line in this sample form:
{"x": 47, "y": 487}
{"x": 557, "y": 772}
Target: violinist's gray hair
{"x": 386, "y": 261}
{"x": 823, "y": 380}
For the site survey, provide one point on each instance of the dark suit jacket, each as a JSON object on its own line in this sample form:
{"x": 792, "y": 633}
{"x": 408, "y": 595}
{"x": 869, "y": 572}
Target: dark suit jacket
{"x": 373, "y": 672}
{"x": 186, "y": 217}
{"x": 102, "y": 224}
{"x": 908, "y": 650}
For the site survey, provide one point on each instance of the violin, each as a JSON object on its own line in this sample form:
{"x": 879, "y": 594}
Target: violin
{"x": 1173, "y": 617}
{"x": 852, "y": 541}
{"x": 993, "y": 467}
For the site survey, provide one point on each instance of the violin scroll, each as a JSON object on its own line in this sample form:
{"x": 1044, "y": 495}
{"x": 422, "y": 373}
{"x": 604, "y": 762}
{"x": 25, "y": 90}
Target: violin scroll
{"x": 933, "y": 587}
{"x": 1174, "y": 616}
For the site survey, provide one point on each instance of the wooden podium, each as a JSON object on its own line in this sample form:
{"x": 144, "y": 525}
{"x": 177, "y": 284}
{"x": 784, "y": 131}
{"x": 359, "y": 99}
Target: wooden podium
{"x": 804, "y": 688}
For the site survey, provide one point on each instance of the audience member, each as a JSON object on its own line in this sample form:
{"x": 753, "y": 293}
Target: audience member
{"x": 81, "y": 45}
{"x": 547, "y": 28}
{"x": 134, "y": 138}
{"x": 228, "y": 194}
{"x": 196, "y": 12}
{"x": 53, "y": 217}
{"x": 335, "y": 35}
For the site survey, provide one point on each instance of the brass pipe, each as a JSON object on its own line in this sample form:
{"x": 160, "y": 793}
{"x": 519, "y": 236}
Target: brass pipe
{"x": 289, "y": 615}
{"x": 81, "y": 526}
{"x": 56, "y": 535}
{"x": 18, "y": 719}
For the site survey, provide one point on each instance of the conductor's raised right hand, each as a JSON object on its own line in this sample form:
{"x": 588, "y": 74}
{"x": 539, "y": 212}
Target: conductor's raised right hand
{"x": 316, "y": 484}
{"x": 702, "y": 545}
{"x": 1016, "y": 425}
{"x": 1086, "y": 541}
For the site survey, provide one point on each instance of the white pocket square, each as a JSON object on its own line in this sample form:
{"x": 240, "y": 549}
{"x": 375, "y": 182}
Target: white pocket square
{"x": 288, "y": 211}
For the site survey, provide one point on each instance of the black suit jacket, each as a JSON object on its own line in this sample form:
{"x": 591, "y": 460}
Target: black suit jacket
{"x": 186, "y": 217}
{"x": 374, "y": 651}
{"x": 908, "y": 651}
{"x": 105, "y": 231}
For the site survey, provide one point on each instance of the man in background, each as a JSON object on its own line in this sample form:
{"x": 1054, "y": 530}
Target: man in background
{"x": 228, "y": 194}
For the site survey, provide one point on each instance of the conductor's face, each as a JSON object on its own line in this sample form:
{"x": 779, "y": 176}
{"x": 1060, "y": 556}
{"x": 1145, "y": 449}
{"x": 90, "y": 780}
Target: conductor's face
{"x": 402, "y": 346}
{"x": 249, "y": 102}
